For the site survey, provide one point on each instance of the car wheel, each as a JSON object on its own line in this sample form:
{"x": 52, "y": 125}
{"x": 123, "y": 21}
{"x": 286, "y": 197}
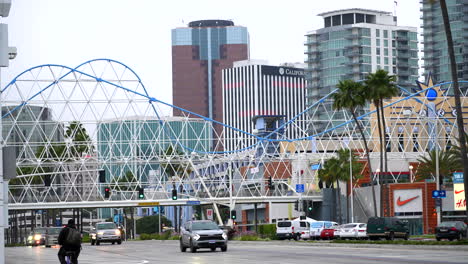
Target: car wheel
{"x": 213, "y": 249}
{"x": 406, "y": 236}
{"x": 98, "y": 243}
{"x": 438, "y": 238}
{"x": 119, "y": 242}
{"x": 450, "y": 239}
{"x": 182, "y": 247}
{"x": 297, "y": 237}
{"x": 113, "y": 242}
{"x": 192, "y": 248}
{"x": 460, "y": 237}
{"x": 224, "y": 248}
{"x": 93, "y": 242}
{"x": 391, "y": 236}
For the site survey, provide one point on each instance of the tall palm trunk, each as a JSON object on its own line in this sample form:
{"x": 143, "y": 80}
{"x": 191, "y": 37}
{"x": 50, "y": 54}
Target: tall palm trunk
{"x": 338, "y": 191}
{"x": 456, "y": 89}
{"x": 379, "y": 126}
{"x": 371, "y": 175}
{"x": 384, "y": 201}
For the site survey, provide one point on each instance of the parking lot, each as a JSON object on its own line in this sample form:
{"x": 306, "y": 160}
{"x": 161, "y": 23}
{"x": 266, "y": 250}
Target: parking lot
{"x": 153, "y": 251}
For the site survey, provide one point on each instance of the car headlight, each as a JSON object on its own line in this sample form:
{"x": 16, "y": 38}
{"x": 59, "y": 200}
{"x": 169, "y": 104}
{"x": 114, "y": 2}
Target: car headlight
{"x": 37, "y": 237}
{"x": 196, "y": 236}
{"x": 117, "y": 232}
{"x": 100, "y": 233}
{"x": 30, "y": 238}
{"x": 225, "y": 236}
{"x": 93, "y": 236}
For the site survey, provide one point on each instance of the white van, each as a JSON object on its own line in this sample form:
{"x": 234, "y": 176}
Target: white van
{"x": 317, "y": 227}
{"x": 291, "y": 229}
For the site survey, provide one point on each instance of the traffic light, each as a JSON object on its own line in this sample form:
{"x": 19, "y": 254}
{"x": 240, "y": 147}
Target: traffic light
{"x": 141, "y": 193}
{"x": 174, "y": 194}
{"x": 106, "y": 192}
{"x": 296, "y": 205}
{"x": 270, "y": 183}
{"x": 233, "y": 215}
{"x": 102, "y": 176}
{"x": 310, "y": 206}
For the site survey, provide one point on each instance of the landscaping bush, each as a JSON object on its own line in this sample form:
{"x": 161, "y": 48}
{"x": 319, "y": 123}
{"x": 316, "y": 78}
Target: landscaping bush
{"x": 267, "y": 231}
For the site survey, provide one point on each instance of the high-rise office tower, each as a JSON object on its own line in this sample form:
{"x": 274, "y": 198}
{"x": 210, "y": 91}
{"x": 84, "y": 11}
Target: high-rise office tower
{"x": 253, "y": 89}
{"x": 353, "y": 43}
{"x": 436, "y": 60}
{"x": 199, "y": 53}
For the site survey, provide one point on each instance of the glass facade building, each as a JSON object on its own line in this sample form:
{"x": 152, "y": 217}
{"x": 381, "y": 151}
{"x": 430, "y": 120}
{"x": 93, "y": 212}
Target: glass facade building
{"x": 436, "y": 60}
{"x": 352, "y": 44}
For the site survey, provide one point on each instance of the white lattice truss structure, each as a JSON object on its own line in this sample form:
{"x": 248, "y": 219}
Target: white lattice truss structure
{"x": 67, "y": 124}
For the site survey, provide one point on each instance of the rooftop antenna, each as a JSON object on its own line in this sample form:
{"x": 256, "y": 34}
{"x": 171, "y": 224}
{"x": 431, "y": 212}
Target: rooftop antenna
{"x": 395, "y": 3}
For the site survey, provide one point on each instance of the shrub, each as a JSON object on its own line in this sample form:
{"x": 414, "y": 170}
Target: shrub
{"x": 267, "y": 231}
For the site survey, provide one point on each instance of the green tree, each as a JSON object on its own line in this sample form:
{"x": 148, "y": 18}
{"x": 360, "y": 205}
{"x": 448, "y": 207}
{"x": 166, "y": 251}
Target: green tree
{"x": 351, "y": 96}
{"x": 447, "y": 165}
{"x": 150, "y": 224}
{"x": 81, "y": 141}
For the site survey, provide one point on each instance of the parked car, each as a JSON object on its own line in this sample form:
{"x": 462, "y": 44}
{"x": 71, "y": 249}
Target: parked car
{"x": 354, "y": 231}
{"x": 47, "y": 236}
{"x": 292, "y": 229}
{"x": 106, "y": 232}
{"x": 327, "y": 233}
{"x": 336, "y": 233}
{"x": 387, "y": 227}
{"x": 317, "y": 227}
{"x": 451, "y": 230}
{"x": 202, "y": 234}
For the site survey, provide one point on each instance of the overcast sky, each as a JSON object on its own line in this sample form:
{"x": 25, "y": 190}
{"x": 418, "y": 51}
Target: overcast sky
{"x": 138, "y": 32}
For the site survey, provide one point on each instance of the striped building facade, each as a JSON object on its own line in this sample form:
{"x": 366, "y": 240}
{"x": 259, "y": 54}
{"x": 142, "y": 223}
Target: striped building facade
{"x": 252, "y": 88}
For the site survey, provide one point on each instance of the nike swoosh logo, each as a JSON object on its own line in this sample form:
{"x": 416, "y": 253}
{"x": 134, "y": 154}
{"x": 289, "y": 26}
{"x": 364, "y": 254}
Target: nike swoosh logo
{"x": 401, "y": 203}
{"x": 457, "y": 192}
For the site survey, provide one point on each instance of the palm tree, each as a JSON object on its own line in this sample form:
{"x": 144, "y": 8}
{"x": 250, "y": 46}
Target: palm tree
{"x": 380, "y": 86}
{"x": 447, "y": 165}
{"x": 328, "y": 174}
{"x": 350, "y": 96}
{"x": 456, "y": 90}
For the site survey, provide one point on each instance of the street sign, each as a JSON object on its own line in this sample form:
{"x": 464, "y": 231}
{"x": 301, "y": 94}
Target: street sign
{"x": 299, "y": 188}
{"x": 439, "y": 194}
{"x": 148, "y": 204}
{"x": 193, "y": 202}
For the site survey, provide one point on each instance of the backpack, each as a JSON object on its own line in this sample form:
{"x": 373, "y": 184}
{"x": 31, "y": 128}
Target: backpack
{"x": 73, "y": 237}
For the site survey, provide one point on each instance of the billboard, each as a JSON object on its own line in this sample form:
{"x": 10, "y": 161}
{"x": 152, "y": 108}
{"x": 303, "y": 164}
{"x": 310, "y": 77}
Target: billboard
{"x": 407, "y": 200}
{"x": 459, "y": 192}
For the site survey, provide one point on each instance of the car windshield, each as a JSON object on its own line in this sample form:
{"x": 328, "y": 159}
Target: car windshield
{"x": 317, "y": 224}
{"x": 39, "y": 231}
{"x": 284, "y": 224}
{"x": 350, "y": 226}
{"x": 54, "y": 231}
{"x": 204, "y": 226}
{"x": 447, "y": 224}
{"x": 105, "y": 226}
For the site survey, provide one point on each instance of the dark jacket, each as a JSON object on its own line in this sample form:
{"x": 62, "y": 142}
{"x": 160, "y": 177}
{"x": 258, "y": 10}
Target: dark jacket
{"x": 63, "y": 236}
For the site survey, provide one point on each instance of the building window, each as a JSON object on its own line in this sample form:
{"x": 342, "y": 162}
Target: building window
{"x": 348, "y": 19}
{"x": 378, "y": 51}
{"x": 401, "y": 142}
{"x": 385, "y": 43}
{"x": 389, "y": 144}
{"x": 377, "y": 32}
{"x": 359, "y": 18}
{"x": 386, "y": 52}
{"x": 328, "y": 22}
{"x": 386, "y": 60}
{"x": 415, "y": 142}
{"x": 336, "y": 20}
{"x": 377, "y": 42}
{"x": 378, "y": 60}
{"x": 385, "y": 33}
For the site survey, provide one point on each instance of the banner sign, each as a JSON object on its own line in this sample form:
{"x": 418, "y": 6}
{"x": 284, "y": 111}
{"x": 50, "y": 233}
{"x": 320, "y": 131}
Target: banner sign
{"x": 458, "y": 177}
{"x": 459, "y": 196}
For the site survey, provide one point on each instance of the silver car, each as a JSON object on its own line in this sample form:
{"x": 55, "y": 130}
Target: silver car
{"x": 202, "y": 234}
{"x": 106, "y": 232}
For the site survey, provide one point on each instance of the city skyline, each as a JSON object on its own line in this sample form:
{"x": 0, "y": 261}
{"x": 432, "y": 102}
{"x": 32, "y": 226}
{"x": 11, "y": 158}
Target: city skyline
{"x": 59, "y": 32}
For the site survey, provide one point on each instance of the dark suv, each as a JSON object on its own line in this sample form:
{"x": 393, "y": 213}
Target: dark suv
{"x": 202, "y": 234}
{"x": 386, "y": 227}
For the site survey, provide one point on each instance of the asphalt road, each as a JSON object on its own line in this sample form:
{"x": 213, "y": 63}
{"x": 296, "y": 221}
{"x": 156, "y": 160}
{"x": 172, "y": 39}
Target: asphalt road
{"x": 247, "y": 252}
